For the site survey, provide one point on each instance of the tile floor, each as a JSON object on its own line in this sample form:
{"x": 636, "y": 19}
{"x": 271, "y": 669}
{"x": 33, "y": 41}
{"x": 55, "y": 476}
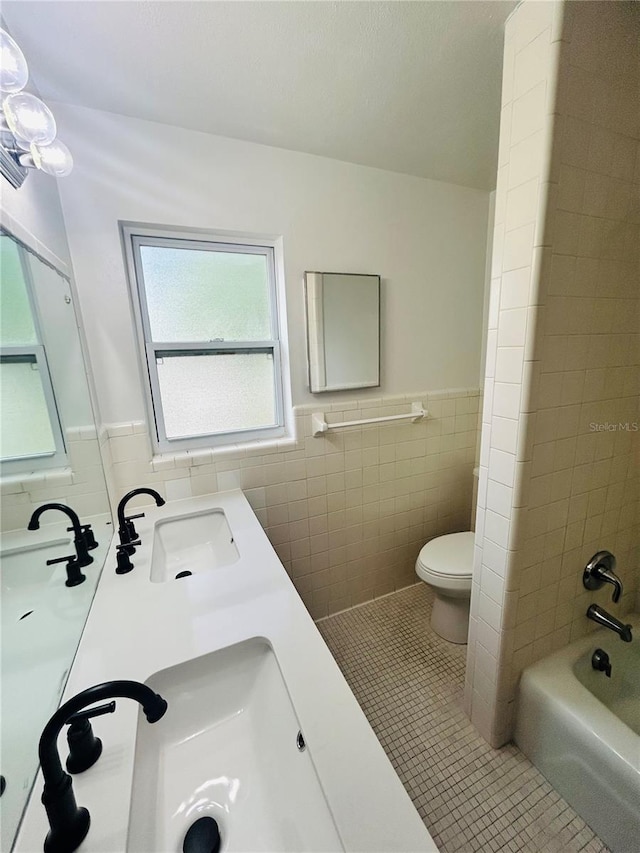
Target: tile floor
{"x": 409, "y": 683}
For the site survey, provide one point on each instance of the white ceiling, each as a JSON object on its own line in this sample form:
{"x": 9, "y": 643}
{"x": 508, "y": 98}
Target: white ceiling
{"x": 409, "y": 86}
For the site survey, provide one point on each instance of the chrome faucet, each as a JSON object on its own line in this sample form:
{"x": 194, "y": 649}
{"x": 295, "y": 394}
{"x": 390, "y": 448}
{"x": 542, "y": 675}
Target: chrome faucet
{"x": 600, "y": 570}
{"x": 599, "y": 615}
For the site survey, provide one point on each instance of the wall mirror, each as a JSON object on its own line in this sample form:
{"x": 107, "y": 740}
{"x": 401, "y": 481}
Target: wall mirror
{"x": 50, "y": 454}
{"x": 343, "y": 330}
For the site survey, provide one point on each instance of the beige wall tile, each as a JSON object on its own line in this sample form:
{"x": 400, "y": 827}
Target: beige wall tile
{"x": 570, "y": 483}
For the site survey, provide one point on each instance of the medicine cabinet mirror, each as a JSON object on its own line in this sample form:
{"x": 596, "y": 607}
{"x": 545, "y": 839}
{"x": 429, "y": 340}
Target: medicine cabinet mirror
{"x": 343, "y": 330}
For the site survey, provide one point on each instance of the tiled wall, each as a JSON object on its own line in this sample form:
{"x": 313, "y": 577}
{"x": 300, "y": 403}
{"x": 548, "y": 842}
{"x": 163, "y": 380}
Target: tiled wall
{"x": 348, "y": 511}
{"x": 563, "y": 346}
{"x": 82, "y": 485}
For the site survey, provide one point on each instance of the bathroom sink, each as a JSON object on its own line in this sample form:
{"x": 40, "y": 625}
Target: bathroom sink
{"x": 27, "y": 584}
{"x": 229, "y": 747}
{"x": 191, "y": 544}
{"x": 25, "y": 567}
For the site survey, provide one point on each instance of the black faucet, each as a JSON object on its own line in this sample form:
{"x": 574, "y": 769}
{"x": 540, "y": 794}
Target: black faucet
{"x": 69, "y": 822}
{"x": 126, "y": 529}
{"x": 82, "y": 536}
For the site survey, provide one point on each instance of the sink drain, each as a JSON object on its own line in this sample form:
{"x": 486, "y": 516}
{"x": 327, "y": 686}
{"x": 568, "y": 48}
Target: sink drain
{"x": 300, "y": 743}
{"x": 202, "y": 837}
{"x": 24, "y": 615}
{"x": 184, "y": 574}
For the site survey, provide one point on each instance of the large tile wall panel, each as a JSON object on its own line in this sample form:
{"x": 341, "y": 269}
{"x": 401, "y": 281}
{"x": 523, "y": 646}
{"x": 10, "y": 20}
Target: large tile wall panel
{"x": 559, "y": 445}
{"x": 347, "y": 512}
{"x": 584, "y": 475}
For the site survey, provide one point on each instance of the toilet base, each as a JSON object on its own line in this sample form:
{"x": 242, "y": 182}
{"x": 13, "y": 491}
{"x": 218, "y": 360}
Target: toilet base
{"x": 450, "y": 618}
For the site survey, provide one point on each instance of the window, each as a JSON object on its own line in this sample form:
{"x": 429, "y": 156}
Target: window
{"x": 30, "y": 433}
{"x": 207, "y": 321}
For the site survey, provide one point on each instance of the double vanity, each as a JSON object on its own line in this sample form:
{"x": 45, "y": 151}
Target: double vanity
{"x": 261, "y": 733}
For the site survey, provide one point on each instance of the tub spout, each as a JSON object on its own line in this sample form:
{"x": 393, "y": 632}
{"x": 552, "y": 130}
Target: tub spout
{"x": 599, "y": 615}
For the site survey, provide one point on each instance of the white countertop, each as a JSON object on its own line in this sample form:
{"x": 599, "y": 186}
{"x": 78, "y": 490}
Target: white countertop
{"x": 136, "y": 628}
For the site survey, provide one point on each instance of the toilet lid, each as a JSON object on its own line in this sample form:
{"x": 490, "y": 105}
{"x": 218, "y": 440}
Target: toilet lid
{"x": 450, "y": 555}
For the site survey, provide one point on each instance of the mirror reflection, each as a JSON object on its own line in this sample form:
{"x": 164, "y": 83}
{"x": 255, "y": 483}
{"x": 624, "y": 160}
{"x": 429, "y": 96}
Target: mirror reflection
{"x": 55, "y": 520}
{"x": 343, "y": 330}
{"x": 30, "y": 433}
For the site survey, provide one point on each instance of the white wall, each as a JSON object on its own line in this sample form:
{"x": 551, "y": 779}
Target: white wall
{"x": 425, "y": 238}
{"x": 34, "y": 215}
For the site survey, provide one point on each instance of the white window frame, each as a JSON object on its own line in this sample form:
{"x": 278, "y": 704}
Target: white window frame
{"x": 35, "y": 353}
{"x": 136, "y": 236}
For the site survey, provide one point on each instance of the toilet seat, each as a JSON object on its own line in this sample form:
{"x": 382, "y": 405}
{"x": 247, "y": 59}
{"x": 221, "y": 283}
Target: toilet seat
{"x": 446, "y": 562}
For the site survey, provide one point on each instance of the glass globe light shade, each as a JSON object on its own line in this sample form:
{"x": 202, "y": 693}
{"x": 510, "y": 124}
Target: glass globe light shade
{"x": 21, "y": 143}
{"x": 54, "y": 159}
{"x": 29, "y": 119}
{"x": 14, "y": 72}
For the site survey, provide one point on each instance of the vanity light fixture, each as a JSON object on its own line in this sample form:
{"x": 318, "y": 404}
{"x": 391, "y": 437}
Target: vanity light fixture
{"x": 14, "y": 72}
{"x": 27, "y": 126}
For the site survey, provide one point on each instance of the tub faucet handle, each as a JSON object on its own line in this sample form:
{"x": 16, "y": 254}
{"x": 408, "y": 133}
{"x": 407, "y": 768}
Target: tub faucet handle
{"x": 600, "y": 570}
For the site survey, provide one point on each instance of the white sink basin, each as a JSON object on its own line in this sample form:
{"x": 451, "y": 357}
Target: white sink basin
{"x": 228, "y": 748}
{"x": 190, "y": 544}
{"x": 28, "y": 585}
{"x": 26, "y": 566}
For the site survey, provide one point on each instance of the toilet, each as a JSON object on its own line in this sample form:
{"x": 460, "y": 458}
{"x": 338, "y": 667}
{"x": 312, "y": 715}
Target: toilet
{"x": 445, "y": 564}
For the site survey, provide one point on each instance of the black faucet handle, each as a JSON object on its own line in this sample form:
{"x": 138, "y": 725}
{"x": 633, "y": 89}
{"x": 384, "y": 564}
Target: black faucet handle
{"x": 87, "y": 534}
{"x": 89, "y": 713}
{"x": 68, "y": 559}
{"x": 132, "y": 533}
{"x": 123, "y": 557}
{"x": 74, "y": 575}
{"x": 126, "y": 545}
{"x": 84, "y": 747}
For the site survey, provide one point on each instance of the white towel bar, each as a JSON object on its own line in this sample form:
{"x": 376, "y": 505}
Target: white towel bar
{"x": 319, "y": 425}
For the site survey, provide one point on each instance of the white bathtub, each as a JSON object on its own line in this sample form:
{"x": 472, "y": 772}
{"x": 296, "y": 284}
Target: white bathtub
{"x": 582, "y": 731}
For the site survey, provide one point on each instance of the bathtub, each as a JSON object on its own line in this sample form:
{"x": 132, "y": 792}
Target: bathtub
{"x": 582, "y": 731}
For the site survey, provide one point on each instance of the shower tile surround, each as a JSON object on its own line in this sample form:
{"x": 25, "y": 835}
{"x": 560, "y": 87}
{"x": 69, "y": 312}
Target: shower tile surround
{"x": 347, "y": 512}
{"x": 563, "y": 352}
{"x": 409, "y": 683}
